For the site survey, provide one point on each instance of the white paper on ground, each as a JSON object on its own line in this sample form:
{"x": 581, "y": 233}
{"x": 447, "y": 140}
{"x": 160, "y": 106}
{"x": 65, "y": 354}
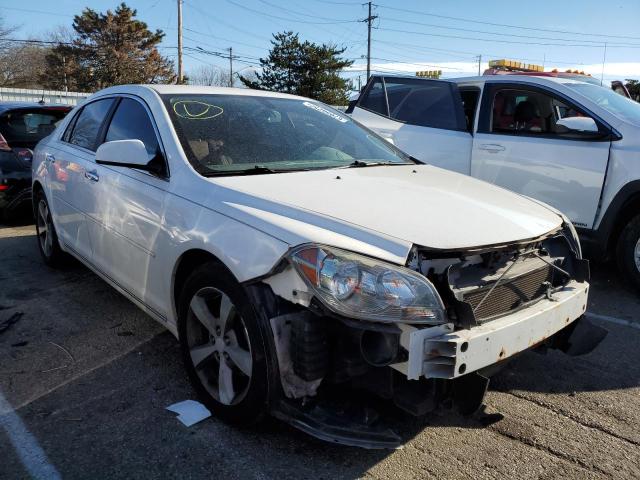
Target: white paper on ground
{"x": 189, "y": 412}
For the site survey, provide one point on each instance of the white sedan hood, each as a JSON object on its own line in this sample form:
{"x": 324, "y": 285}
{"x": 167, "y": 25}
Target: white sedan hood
{"x": 382, "y": 211}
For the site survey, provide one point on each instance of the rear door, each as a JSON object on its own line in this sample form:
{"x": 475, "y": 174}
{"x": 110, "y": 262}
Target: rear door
{"x": 72, "y": 175}
{"x": 520, "y": 146}
{"x": 424, "y": 118}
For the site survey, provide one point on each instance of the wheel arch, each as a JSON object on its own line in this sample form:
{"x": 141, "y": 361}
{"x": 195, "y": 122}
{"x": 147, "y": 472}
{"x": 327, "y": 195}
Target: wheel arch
{"x": 186, "y": 263}
{"x": 35, "y": 189}
{"x": 624, "y": 206}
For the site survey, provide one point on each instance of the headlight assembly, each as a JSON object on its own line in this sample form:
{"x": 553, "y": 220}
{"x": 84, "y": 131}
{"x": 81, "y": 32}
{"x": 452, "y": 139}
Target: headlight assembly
{"x": 360, "y": 287}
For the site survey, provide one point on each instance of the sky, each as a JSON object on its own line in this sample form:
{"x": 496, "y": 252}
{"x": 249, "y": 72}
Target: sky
{"x": 407, "y": 36}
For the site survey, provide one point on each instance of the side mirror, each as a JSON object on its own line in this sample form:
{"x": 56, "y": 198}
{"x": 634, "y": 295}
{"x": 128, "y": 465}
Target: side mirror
{"x": 579, "y": 124}
{"x": 128, "y": 153}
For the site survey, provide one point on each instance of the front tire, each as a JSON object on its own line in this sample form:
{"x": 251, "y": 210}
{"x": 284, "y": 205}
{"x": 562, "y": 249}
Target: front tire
{"x": 47, "y": 237}
{"x": 628, "y": 251}
{"x": 223, "y": 346}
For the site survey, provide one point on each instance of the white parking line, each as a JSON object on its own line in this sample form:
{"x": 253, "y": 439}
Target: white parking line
{"x": 617, "y": 321}
{"x": 26, "y": 446}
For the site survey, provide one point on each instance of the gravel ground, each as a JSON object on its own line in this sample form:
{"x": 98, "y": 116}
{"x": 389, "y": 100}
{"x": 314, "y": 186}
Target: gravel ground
{"x": 85, "y": 377}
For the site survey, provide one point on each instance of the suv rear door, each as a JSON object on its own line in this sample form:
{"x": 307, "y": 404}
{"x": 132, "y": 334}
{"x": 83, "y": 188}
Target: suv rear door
{"x": 520, "y": 146}
{"x": 424, "y": 118}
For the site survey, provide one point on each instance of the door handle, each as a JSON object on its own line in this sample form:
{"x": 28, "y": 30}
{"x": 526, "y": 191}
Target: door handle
{"x": 49, "y": 158}
{"x": 91, "y": 175}
{"x": 492, "y": 147}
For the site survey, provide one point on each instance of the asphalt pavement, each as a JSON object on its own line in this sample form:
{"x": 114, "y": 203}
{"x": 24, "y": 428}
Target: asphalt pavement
{"x": 85, "y": 378}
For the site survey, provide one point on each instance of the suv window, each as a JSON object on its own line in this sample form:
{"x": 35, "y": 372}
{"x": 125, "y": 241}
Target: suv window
{"x": 374, "y": 99}
{"x": 131, "y": 121}
{"x": 529, "y": 112}
{"x": 87, "y": 126}
{"x": 470, "y": 97}
{"x": 425, "y": 103}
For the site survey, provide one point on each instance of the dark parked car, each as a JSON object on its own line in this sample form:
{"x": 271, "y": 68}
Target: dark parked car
{"x": 22, "y": 126}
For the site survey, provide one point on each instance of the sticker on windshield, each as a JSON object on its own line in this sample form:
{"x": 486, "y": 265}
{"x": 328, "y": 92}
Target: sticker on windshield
{"x": 196, "y": 110}
{"x": 320, "y": 109}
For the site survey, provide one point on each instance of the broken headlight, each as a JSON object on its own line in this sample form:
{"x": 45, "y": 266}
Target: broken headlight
{"x": 361, "y": 287}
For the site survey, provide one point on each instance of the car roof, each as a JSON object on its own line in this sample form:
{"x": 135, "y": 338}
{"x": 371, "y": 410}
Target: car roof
{"x": 193, "y": 89}
{"x": 516, "y": 79}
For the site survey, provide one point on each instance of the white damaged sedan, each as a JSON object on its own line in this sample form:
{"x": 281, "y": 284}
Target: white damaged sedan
{"x": 306, "y": 266}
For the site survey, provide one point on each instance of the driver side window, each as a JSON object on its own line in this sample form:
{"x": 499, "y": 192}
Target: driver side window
{"x": 530, "y": 113}
{"x": 131, "y": 122}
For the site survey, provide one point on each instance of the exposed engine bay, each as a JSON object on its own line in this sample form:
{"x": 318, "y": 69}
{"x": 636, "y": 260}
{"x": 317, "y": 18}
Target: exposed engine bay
{"x": 331, "y": 365}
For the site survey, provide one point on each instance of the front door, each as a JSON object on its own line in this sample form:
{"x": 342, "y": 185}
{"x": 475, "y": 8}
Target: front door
{"x": 521, "y": 146}
{"x": 128, "y": 210}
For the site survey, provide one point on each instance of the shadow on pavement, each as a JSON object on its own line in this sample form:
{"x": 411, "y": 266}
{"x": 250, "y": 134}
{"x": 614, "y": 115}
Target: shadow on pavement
{"x": 111, "y": 422}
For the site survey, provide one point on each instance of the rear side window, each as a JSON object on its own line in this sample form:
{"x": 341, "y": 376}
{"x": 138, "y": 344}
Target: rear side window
{"x": 26, "y": 127}
{"x": 131, "y": 121}
{"x": 87, "y": 127}
{"x": 425, "y": 103}
{"x": 374, "y": 99}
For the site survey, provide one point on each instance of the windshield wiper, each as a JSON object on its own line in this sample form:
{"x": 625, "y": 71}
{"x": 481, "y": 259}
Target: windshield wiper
{"x": 255, "y": 170}
{"x": 360, "y": 164}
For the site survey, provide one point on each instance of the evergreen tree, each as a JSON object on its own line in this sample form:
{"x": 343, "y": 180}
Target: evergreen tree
{"x": 303, "y": 68}
{"x": 108, "y": 49}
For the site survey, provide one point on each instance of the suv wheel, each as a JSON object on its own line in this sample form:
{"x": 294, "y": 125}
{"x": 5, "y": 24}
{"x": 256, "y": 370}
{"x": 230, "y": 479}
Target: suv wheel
{"x": 628, "y": 251}
{"x": 223, "y": 346}
{"x": 47, "y": 237}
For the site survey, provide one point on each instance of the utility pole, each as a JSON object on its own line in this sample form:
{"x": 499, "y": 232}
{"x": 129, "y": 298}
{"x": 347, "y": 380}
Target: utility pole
{"x": 369, "y": 19}
{"x": 180, "y": 76}
{"x": 231, "y": 66}
{"x": 604, "y": 59}
{"x": 64, "y": 71}
{"x": 479, "y": 64}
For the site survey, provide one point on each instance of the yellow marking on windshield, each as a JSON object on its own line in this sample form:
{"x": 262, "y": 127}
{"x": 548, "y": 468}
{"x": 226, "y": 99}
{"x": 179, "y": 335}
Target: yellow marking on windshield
{"x": 209, "y": 111}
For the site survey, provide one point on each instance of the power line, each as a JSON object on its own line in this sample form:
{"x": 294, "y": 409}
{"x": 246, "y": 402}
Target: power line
{"x": 441, "y": 35}
{"x": 223, "y": 39}
{"x": 522, "y": 27}
{"x": 29, "y": 10}
{"x": 225, "y": 23}
{"x": 484, "y": 32}
{"x": 288, "y": 10}
{"x": 416, "y": 63}
{"x": 288, "y": 19}
{"x": 44, "y": 42}
{"x": 411, "y": 46}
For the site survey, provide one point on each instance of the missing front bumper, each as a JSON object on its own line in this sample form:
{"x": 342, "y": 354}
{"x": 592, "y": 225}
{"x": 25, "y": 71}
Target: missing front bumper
{"x": 441, "y": 352}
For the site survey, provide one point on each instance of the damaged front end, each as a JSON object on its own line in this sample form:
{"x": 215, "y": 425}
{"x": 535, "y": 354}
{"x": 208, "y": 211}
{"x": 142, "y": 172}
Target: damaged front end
{"x": 354, "y": 335}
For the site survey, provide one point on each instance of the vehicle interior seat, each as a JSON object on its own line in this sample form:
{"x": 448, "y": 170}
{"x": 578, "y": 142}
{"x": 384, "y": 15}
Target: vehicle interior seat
{"x": 526, "y": 117}
{"x": 502, "y": 113}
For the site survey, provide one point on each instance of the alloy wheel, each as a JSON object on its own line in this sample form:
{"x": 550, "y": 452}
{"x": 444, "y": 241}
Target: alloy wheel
{"x": 636, "y": 255}
{"x": 219, "y": 346}
{"x": 45, "y": 228}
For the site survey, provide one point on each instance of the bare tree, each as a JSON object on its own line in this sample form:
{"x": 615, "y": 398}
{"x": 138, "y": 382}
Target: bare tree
{"x": 21, "y": 65}
{"x": 20, "y": 62}
{"x": 209, "y": 75}
{"x": 4, "y": 33}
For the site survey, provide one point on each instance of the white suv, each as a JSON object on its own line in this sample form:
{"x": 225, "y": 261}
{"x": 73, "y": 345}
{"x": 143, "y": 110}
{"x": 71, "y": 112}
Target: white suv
{"x": 281, "y": 243}
{"x": 571, "y": 144}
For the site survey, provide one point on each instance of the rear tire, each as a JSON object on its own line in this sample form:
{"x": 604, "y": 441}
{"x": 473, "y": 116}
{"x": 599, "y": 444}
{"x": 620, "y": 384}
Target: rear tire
{"x": 223, "y": 346}
{"x": 47, "y": 237}
{"x": 628, "y": 251}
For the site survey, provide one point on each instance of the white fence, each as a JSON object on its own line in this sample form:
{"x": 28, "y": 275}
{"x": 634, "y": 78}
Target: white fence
{"x": 33, "y": 95}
